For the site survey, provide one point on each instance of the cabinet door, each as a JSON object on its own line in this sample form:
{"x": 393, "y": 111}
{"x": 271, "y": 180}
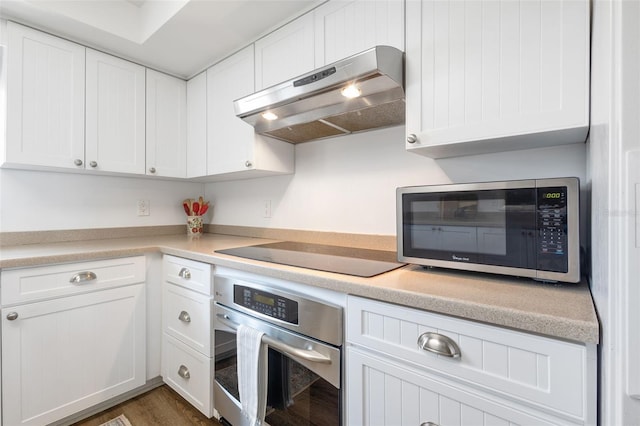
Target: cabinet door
{"x": 64, "y": 355}
{"x": 115, "y": 114}
{"x": 496, "y": 76}
{"x": 45, "y": 125}
{"x": 492, "y": 240}
{"x": 426, "y": 236}
{"x": 197, "y": 126}
{"x": 380, "y": 392}
{"x": 458, "y": 238}
{"x": 166, "y": 123}
{"x": 285, "y": 53}
{"x": 229, "y": 139}
{"x": 344, "y": 28}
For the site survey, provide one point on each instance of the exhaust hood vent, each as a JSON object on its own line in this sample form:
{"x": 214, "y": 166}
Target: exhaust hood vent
{"x": 362, "y": 92}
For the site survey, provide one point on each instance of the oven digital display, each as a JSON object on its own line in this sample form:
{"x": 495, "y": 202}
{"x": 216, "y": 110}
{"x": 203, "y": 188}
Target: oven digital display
{"x": 260, "y": 298}
{"x": 266, "y": 303}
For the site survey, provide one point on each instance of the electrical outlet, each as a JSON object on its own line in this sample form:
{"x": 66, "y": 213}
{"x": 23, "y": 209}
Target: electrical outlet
{"x": 143, "y": 208}
{"x": 266, "y": 208}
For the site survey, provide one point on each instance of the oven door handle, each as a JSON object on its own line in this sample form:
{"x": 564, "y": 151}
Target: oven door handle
{"x": 305, "y": 354}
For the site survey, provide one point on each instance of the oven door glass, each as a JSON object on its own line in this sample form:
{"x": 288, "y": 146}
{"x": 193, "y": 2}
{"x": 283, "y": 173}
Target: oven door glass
{"x": 295, "y": 394}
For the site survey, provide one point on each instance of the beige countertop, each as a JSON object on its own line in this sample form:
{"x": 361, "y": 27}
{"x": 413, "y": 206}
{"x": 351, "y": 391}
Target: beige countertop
{"x": 563, "y": 311}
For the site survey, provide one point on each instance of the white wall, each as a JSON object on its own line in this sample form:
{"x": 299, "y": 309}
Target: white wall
{"x": 35, "y": 201}
{"x": 347, "y": 184}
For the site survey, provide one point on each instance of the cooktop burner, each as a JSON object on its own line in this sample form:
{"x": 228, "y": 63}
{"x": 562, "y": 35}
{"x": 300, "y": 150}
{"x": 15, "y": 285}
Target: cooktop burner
{"x": 343, "y": 260}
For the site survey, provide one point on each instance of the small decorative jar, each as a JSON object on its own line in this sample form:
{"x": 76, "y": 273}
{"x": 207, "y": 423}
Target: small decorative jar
{"x": 194, "y": 226}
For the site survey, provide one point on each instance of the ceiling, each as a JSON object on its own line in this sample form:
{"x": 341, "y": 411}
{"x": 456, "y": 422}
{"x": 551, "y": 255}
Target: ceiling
{"x": 180, "y": 37}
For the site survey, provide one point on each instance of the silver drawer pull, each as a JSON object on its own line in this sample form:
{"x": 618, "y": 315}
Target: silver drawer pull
{"x": 185, "y": 273}
{"x": 11, "y": 316}
{"x": 82, "y": 277}
{"x": 429, "y": 424}
{"x": 439, "y": 344}
{"x": 183, "y": 372}
{"x": 184, "y": 316}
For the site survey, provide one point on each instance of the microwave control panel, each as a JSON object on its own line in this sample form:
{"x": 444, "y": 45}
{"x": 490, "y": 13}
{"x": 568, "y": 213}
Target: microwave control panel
{"x": 266, "y": 303}
{"x": 552, "y": 228}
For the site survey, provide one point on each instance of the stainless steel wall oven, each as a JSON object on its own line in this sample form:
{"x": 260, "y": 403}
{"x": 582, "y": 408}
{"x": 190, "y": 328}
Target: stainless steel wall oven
{"x": 304, "y": 338}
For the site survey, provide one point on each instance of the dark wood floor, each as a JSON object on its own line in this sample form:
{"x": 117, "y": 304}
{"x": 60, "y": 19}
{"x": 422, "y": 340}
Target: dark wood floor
{"x": 159, "y": 407}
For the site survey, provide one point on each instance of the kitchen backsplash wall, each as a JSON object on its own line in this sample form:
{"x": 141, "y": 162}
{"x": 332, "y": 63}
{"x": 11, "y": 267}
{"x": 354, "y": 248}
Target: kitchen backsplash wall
{"x": 35, "y": 201}
{"x": 347, "y": 184}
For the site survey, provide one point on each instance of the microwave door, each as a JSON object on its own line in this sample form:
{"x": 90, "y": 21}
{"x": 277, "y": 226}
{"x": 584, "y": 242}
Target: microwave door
{"x": 492, "y": 227}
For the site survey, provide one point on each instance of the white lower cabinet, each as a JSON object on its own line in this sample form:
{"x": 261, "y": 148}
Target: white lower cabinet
{"x": 62, "y": 355}
{"x": 391, "y": 394}
{"x": 500, "y": 376}
{"x": 189, "y": 373}
{"x": 187, "y": 342}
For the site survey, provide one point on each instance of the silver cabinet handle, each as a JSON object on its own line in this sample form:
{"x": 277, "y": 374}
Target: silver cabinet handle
{"x": 183, "y": 372}
{"x": 78, "y": 162}
{"x": 11, "y": 316}
{"x": 429, "y": 424}
{"x": 185, "y": 273}
{"x": 248, "y": 163}
{"x": 93, "y": 164}
{"x": 82, "y": 277}
{"x": 439, "y": 344}
{"x": 184, "y": 316}
{"x": 152, "y": 169}
{"x": 412, "y": 138}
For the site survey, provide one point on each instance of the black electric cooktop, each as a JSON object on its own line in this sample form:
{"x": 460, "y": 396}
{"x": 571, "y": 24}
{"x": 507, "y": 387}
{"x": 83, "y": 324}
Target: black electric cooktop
{"x": 343, "y": 260}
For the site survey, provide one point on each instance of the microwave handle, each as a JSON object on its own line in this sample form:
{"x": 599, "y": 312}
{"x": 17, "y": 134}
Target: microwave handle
{"x": 305, "y": 354}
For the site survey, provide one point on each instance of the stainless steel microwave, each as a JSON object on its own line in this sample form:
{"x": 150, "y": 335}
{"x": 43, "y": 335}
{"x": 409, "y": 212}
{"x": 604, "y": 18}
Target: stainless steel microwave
{"x": 527, "y": 228}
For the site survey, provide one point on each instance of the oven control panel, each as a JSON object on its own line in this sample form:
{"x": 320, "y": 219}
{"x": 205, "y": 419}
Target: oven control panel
{"x": 266, "y": 303}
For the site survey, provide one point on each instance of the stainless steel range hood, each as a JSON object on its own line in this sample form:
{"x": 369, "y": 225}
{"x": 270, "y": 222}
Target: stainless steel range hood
{"x": 313, "y": 106}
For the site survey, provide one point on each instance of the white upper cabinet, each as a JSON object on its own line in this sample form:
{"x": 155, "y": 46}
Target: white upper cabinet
{"x": 197, "y": 126}
{"x": 344, "y": 28}
{"x": 487, "y": 76}
{"x": 233, "y": 148}
{"x": 228, "y": 137}
{"x": 285, "y": 53}
{"x": 46, "y": 80}
{"x": 115, "y": 114}
{"x": 166, "y": 123}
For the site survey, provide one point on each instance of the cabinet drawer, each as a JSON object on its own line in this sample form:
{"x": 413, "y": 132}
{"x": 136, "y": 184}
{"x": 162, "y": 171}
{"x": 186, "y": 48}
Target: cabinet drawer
{"x": 186, "y": 315}
{"x": 188, "y": 273}
{"x": 535, "y": 370}
{"x": 189, "y": 373}
{"x": 44, "y": 282}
